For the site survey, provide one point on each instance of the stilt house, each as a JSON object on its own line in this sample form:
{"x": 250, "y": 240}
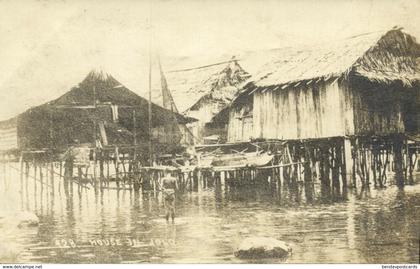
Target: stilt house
{"x": 361, "y": 86}
{"x": 203, "y": 92}
{"x": 100, "y": 112}
{"x": 348, "y": 105}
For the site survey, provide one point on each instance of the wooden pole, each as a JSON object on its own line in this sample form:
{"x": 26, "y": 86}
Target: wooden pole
{"x": 150, "y": 99}
{"x": 94, "y": 167}
{"x": 307, "y": 165}
{"x": 35, "y": 186}
{"x": 327, "y": 168}
{"x": 21, "y": 179}
{"x": 107, "y": 169}
{"x": 41, "y": 178}
{"x": 398, "y": 161}
{"x": 52, "y": 178}
{"x": 407, "y": 164}
{"x": 134, "y": 164}
{"x": 134, "y": 134}
{"x": 411, "y": 164}
{"x": 51, "y": 155}
{"x": 375, "y": 162}
{"x": 335, "y": 172}
{"x": 27, "y": 184}
{"x": 117, "y": 170}
{"x": 94, "y": 137}
{"x": 101, "y": 168}
{"x": 343, "y": 167}
{"x": 347, "y": 160}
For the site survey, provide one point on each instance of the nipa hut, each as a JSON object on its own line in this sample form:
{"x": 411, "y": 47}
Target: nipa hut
{"x": 202, "y": 92}
{"x": 99, "y": 112}
{"x": 365, "y": 86}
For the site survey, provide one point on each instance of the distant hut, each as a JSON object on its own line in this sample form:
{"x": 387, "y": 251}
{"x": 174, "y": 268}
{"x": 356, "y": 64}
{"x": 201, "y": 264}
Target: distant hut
{"x": 203, "y": 92}
{"x": 362, "y": 88}
{"x": 99, "y": 112}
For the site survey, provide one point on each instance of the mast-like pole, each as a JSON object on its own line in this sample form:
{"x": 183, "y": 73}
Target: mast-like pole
{"x": 150, "y": 108}
{"x": 150, "y": 87}
{"x": 135, "y": 134}
{"x": 94, "y": 135}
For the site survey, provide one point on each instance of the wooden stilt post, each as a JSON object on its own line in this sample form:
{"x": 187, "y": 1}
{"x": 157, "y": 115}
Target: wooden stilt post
{"x": 35, "y": 184}
{"x": 411, "y": 164}
{"x": 21, "y": 179}
{"x": 41, "y": 179}
{"x": 354, "y": 154}
{"x": 348, "y": 172}
{"x": 95, "y": 178}
{"x": 398, "y": 160}
{"x": 364, "y": 167}
{"x": 117, "y": 170}
{"x": 52, "y": 178}
{"x": 134, "y": 163}
{"x": 344, "y": 171}
{"x": 327, "y": 167}
{"x": 335, "y": 168}
{"x": 307, "y": 165}
{"x": 107, "y": 168}
{"x": 374, "y": 162}
{"x": 124, "y": 169}
{"x": 385, "y": 167}
{"x": 27, "y": 184}
{"x": 101, "y": 168}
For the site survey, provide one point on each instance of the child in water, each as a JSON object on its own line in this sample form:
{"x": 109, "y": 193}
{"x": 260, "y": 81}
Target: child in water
{"x": 168, "y": 186}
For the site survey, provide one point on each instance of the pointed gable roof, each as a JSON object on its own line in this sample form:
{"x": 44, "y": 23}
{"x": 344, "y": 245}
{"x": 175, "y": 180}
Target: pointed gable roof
{"x": 221, "y": 81}
{"x": 109, "y": 91}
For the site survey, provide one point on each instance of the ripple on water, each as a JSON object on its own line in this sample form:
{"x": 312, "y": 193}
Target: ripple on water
{"x": 360, "y": 229}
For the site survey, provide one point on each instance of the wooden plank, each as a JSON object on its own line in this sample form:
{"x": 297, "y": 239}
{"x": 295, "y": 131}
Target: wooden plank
{"x": 280, "y": 165}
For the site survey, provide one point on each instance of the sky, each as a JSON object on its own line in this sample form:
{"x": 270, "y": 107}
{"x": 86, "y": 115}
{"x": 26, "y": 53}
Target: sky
{"x": 47, "y": 47}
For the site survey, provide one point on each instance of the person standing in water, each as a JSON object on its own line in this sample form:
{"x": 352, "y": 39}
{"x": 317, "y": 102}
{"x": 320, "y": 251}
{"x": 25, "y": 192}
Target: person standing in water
{"x": 169, "y": 186}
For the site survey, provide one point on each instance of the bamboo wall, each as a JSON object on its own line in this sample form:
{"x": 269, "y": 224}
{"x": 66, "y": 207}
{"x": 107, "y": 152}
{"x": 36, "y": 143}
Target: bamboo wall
{"x": 240, "y": 126}
{"x": 377, "y": 110}
{"x": 306, "y": 111}
{"x": 318, "y": 110}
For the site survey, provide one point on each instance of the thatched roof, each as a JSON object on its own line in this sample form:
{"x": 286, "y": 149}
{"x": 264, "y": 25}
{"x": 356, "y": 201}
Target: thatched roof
{"x": 190, "y": 86}
{"x": 69, "y": 119}
{"x": 378, "y": 56}
{"x": 109, "y": 91}
{"x": 47, "y": 126}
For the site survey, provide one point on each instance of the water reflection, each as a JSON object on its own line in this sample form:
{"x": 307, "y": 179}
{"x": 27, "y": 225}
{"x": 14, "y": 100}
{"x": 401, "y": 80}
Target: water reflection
{"x": 79, "y": 225}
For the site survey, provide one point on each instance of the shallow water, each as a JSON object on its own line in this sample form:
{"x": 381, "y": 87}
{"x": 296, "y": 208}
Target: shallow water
{"x": 84, "y": 226}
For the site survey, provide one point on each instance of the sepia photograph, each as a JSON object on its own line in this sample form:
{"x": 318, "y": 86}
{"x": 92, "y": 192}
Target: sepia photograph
{"x": 177, "y": 132}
